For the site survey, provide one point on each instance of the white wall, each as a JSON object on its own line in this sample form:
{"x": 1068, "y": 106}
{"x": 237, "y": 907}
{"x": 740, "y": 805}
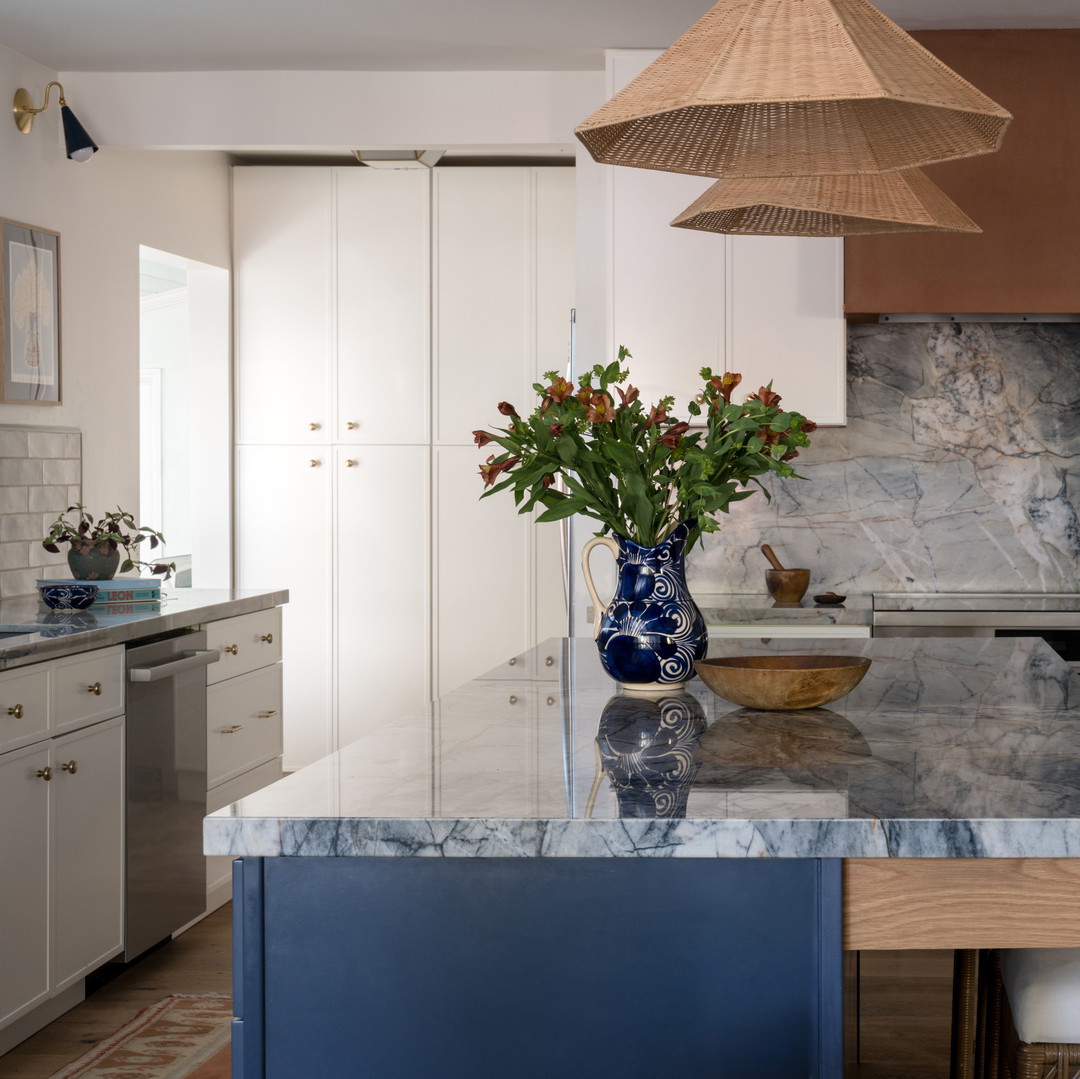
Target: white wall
{"x": 104, "y": 209}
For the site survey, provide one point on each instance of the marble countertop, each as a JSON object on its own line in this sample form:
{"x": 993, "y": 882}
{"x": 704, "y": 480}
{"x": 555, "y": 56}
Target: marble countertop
{"x": 734, "y": 609}
{"x": 37, "y": 633}
{"x": 949, "y": 747}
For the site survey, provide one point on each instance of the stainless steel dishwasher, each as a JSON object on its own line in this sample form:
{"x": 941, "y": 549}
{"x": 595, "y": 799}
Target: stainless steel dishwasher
{"x": 165, "y": 875}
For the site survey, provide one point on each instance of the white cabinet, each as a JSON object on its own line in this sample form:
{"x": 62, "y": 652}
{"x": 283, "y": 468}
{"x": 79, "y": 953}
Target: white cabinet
{"x": 244, "y": 710}
{"x": 439, "y": 295}
{"x": 61, "y": 868}
{"x": 767, "y": 307}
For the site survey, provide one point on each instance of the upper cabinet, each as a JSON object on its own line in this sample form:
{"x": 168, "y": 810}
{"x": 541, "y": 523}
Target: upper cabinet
{"x": 1027, "y": 259}
{"x": 769, "y": 308}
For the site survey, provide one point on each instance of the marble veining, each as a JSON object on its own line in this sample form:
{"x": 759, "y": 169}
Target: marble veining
{"x": 959, "y": 466}
{"x": 949, "y": 747}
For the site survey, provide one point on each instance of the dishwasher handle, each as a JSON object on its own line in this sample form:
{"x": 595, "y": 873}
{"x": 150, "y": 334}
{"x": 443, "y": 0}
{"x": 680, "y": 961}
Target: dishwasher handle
{"x": 191, "y": 659}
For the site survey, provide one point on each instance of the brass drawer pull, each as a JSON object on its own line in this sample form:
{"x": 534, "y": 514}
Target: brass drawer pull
{"x": 233, "y": 729}
{"x": 267, "y": 638}
{"x": 71, "y": 767}
{"x": 44, "y": 773}
{"x": 95, "y": 688}
{"x": 551, "y": 700}
{"x": 17, "y": 711}
{"x": 550, "y": 661}
{"x": 231, "y": 649}
{"x": 313, "y": 426}
{"x": 513, "y": 699}
{"x": 512, "y": 662}
{"x": 351, "y": 426}
{"x": 350, "y": 463}
{"x": 268, "y": 715}
{"x": 314, "y": 463}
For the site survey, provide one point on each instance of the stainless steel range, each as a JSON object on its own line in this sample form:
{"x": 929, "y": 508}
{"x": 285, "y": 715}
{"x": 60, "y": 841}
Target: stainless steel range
{"x": 1053, "y": 616}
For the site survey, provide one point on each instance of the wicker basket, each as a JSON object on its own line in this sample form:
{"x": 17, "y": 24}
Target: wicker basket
{"x": 793, "y": 88}
{"x": 826, "y": 206}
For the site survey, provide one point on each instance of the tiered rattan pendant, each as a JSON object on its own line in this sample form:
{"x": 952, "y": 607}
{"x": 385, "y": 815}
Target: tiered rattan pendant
{"x": 826, "y": 206}
{"x": 793, "y": 88}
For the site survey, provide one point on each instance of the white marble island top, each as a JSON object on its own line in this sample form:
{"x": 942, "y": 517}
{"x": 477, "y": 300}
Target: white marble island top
{"x": 950, "y": 747}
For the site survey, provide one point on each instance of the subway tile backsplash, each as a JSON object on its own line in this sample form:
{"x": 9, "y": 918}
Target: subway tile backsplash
{"x": 40, "y": 476}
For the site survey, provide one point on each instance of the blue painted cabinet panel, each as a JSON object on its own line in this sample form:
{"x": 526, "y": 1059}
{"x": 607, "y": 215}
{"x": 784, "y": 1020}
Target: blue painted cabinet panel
{"x": 394, "y": 968}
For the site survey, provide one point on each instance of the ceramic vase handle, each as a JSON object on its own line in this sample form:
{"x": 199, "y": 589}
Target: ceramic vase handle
{"x": 599, "y": 606}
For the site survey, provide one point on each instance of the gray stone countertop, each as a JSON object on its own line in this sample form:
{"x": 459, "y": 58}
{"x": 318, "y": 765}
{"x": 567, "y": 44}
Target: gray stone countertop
{"x": 30, "y": 632}
{"x": 949, "y": 747}
{"x": 719, "y": 609}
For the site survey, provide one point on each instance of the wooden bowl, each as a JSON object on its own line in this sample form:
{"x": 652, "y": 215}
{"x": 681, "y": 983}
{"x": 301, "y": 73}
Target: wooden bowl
{"x": 787, "y": 585}
{"x": 782, "y": 683}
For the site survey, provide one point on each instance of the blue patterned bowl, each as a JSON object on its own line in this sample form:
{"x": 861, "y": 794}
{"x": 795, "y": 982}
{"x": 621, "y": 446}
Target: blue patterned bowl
{"x": 68, "y": 597}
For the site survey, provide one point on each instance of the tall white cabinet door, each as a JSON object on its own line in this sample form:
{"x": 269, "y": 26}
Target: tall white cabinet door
{"x": 383, "y": 305}
{"x": 666, "y": 287}
{"x": 483, "y": 568}
{"x": 786, "y": 321}
{"x": 284, "y": 492}
{"x": 24, "y": 896}
{"x": 87, "y": 843}
{"x": 482, "y": 295}
{"x": 282, "y": 221}
{"x": 382, "y": 586}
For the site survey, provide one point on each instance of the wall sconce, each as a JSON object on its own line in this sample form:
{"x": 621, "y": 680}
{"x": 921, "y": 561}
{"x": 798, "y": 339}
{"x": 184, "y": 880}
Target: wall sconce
{"x": 80, "y": 147}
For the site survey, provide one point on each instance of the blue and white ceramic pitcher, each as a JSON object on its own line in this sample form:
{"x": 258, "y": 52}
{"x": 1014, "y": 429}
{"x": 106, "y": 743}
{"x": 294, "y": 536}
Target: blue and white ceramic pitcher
{"x": 651, "y": 631}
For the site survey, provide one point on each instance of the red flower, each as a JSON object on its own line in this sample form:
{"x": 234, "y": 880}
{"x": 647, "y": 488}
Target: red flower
{"x": 481, "y": 438}
{"x": 547, "y": 481}
{"x": 725, "y": 383}
{"x": 673, "y": 436}
{"x": 809, "y": 427}
{"x": 766, "y": 396}
{"x": 789, "y": 456}
{"x": 507, "y": 409}
{"x": 584, "y": 395}
{"x": 560, "y": 390}
{"x": 490, "y": 472}
{"x": 657, "y": 414}
{"x": 556, "y": 429}
{"x": 630, "y": 396}
{"x": 601, "y": 409}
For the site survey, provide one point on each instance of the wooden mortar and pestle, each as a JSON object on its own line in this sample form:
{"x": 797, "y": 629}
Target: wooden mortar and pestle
{"x": 786, "y": 586}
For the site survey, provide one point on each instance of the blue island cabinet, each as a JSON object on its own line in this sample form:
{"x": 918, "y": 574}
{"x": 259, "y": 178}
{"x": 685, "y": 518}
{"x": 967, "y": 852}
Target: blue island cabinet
{"x": 535, "y": 968}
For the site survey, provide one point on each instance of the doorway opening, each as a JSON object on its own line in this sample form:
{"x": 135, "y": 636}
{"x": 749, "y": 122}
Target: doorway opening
{"x": 184, "y": 414}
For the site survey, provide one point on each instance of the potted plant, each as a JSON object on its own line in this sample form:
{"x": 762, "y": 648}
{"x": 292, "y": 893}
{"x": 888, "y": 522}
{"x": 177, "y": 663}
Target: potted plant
{"x": 95, "y": 543}
{"x": 652, "y": 481}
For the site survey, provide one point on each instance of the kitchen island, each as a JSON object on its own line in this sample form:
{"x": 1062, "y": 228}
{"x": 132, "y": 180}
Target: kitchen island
{"x": 543, "y": 876}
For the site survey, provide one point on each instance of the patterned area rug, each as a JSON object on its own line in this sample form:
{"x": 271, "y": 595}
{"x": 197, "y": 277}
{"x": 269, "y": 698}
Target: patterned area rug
{"x": 180, "y": 1038}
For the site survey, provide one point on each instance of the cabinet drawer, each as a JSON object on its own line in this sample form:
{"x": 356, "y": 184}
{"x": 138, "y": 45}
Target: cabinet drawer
{"x": 246, "y": 643}
{"x": 243, "y": 723}
{"x": 24, "y": 706}
{"x": 86, "y": 688}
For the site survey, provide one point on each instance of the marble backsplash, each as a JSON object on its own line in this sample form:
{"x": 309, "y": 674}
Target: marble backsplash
{"x": 959, "y": 470}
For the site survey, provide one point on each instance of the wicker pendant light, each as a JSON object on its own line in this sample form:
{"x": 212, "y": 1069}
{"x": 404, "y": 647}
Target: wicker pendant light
{"x": 793, "y": 88}
{"x": 826, "y": 206}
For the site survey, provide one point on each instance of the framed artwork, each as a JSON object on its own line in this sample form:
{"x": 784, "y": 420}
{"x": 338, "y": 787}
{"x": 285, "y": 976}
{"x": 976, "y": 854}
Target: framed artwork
{"x": 30, "y": 314}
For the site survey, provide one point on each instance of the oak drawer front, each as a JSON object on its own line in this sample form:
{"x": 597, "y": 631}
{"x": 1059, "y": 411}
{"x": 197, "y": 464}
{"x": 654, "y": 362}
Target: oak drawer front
{"x": 87, "y": 688}
{"x": 24, "y": 706}
{"x": 246, "y": 643}
{"x": 243, "y": 724}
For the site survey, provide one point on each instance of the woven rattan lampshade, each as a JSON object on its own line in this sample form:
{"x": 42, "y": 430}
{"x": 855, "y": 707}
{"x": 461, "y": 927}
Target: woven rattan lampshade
{"x": 826, "y": 206}
{"x": 793, "y": 88}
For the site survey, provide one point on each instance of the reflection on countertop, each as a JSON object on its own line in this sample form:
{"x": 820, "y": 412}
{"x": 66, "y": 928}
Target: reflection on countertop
{"x": 948, "y": 747}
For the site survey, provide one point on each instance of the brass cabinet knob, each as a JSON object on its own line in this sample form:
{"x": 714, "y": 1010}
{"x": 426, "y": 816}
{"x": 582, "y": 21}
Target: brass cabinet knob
{"x": 232, "y": 649}
{"x": 551, "y": 700}
{"x": 71, "y": 767}
{"x": 314, "y": 463}
{"x": 350, "y": 426}
{"x": 550, "y": 661}
{"x": 512, "y": 662}
{"x": 268, "y": 715}
{"x": 513, "y": 698}
{"x": 17, "y": 711}
{"x": 44, "y": 773}
{"x": 233, "y": 729}
{"x": 314, "y": 426}
{"x": 267, "y": 638}
{"x": 351, "y": 463}
{"x": 95, "y": 688}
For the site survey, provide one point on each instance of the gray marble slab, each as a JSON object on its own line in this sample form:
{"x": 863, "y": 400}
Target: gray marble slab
{"x": 949, "y": 747}
{"x": 746, "y": 609}
{"x": 39, "y": 633}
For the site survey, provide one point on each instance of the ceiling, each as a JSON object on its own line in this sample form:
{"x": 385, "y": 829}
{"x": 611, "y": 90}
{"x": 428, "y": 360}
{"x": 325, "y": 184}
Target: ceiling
{"x": 405, "y": 35}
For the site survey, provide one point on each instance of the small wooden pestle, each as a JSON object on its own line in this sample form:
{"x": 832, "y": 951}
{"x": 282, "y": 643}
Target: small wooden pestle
{"x": 768, "y": 552}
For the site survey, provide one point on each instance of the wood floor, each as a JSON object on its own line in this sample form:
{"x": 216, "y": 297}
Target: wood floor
{"x": 197, "y": 962}
{"x": 905, "y": 1005}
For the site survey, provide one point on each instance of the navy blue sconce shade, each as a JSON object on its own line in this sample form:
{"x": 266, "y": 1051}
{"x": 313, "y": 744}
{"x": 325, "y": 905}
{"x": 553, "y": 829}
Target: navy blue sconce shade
{"x": 80, "y": 147}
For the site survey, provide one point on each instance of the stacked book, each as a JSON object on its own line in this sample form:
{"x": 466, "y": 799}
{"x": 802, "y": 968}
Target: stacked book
{"x": 121, "y": 596}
